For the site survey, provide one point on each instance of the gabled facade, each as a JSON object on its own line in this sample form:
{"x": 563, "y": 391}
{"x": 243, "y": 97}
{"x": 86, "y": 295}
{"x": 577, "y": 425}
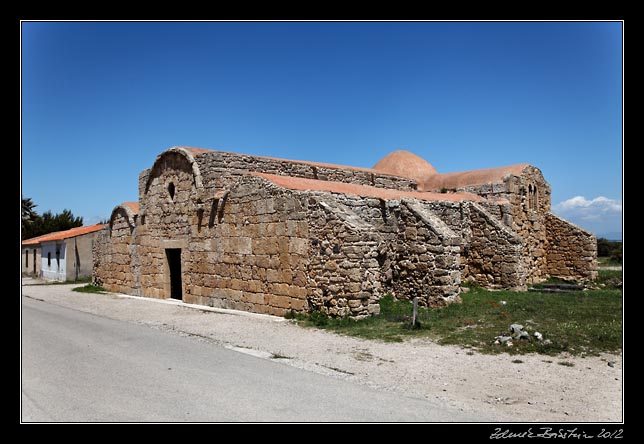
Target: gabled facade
{"x": 272, "y": 235}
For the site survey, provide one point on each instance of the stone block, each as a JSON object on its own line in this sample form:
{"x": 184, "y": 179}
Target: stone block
{"x": 298, "y": 246}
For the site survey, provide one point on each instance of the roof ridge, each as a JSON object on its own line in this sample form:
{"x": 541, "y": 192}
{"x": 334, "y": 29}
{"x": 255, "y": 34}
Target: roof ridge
{"x": 303, "y": 184}
{"x": 64, "y": 234}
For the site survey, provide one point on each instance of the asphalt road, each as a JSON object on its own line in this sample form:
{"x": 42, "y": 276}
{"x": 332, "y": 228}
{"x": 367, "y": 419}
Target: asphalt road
{"x": 79, "y": 367}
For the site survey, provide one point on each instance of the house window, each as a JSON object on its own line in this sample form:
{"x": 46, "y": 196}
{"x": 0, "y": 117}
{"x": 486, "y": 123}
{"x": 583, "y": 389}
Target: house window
{"x": 49, "y": 258}
{"x": 26, "y": 258}
{"x": 57, "y": 258}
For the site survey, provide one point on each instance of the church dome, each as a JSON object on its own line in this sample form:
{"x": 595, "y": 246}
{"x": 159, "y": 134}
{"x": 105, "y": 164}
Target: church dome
{"x": 402, "y": 163}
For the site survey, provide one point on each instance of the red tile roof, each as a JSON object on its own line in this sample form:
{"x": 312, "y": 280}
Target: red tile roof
{"x": 60, "y": 235}
{"x": 296, "y": 183}
{"x": 468, "y": 178}
{"x": 34, "y": 240}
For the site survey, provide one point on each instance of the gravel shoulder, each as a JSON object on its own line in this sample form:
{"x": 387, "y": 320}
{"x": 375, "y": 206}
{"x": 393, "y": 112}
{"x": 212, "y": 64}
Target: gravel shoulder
{"x": 538, "y": 389}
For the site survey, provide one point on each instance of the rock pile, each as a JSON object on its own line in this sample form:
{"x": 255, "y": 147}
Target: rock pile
{"x": 518, "y": 332}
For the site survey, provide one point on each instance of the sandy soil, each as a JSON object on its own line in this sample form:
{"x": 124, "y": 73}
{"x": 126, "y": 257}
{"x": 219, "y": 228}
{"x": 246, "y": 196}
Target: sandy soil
{"x": 539, "y": 389}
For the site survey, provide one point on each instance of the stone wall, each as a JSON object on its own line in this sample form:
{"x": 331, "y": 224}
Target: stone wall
{"x": 572, "y": 251}
{"x": 246, "y": 249}
{"x": 494, "y": 252}
{"x": 256, "y": 253}
{"x": 413, "y": 254}
{"x": 168, "y": 219}
{"x": 116, "y": 254}
{"x": 343, "y": 269}
{"x": 529, "y": 197}
{"x": 491, "y": 253}
{"x": 427, "y": 260}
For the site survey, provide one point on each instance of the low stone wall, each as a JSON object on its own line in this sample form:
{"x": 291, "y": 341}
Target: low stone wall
{"x": 571, "y": 251}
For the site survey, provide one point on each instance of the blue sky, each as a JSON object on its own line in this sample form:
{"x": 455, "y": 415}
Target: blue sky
{"x": 101, "y": 99}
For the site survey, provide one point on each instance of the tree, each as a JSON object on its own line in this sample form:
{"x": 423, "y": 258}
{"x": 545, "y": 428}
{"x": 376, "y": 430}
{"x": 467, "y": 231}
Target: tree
{"x": 604, "y": 247}
{"x": 28, "y": 212}
{"x": 35, "y": 225}
{"x": 611, "y": 249}
{"x": 29, "y": 215}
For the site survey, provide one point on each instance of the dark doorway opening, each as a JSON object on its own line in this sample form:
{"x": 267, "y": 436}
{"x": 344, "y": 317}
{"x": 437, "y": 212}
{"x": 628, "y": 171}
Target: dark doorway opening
{"x": 174, "y": 266}
{"x": 34, "y": 262}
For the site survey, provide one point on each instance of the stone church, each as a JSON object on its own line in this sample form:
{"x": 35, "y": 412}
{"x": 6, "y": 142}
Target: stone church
{"x": 272, "y": 235}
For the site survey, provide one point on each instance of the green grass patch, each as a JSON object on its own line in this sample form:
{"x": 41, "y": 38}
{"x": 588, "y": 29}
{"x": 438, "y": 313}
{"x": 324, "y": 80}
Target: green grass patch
{"x": 608, "y": 262}
{"x": 609, "y": 279}
{"x": 89, "y": 288}
{"x": 580, "y": 323}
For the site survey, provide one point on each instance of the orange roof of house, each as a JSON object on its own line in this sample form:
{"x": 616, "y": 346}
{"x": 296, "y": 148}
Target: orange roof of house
{"x": 34, "y": 240}
{"x": 60, "y": 235}
{"x": 297, "y": 183}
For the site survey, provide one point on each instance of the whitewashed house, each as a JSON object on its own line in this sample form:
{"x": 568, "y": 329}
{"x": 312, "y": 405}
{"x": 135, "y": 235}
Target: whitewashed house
{"x": 60, "y": 256}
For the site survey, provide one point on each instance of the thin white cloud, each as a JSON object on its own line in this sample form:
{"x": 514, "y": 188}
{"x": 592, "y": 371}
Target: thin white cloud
{"x": 581, "y": 204}
{"x": 588, "y": 209}
{"x": 600, "y": 214}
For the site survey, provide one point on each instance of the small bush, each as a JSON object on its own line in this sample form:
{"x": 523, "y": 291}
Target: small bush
{"x": 616, "y": 256}
{"x": 318, "y": 318}
{"x": 606, "y": 248}
{"x": 609, "y": 279}
{"x": 89, "y": 288}
{"x": 289, "y": 314}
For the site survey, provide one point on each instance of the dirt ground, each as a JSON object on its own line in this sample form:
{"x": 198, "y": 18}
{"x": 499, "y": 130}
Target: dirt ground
{"x": 538, "y": 389}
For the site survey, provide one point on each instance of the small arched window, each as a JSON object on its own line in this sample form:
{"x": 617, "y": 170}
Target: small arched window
{"x": 532, "y": 201}
{"x": 171, "y": 190}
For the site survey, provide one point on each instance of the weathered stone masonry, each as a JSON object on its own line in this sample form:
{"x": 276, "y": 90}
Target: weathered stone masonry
{"x": 270, "y": 235}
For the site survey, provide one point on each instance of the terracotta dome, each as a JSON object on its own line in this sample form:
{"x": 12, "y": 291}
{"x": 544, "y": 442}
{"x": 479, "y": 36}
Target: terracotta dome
{"x": 405, "y": 164}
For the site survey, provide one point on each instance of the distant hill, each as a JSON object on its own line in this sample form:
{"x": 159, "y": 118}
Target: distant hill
{"x": 613, "y": 236}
